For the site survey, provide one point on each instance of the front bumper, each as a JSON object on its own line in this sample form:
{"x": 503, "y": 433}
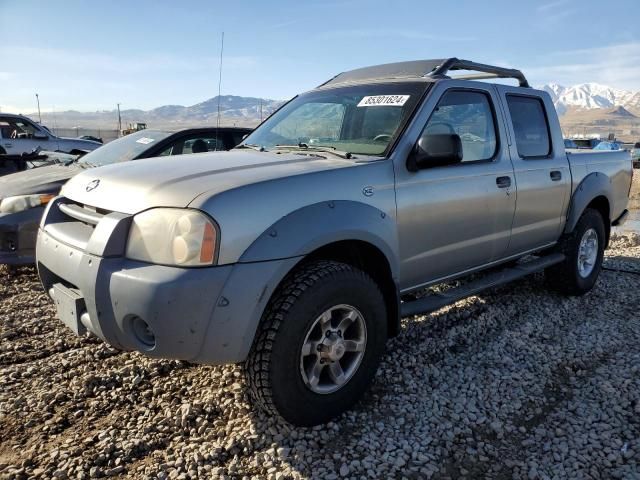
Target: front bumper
{"x": 18, "y": 232}
{"x": 204, "y": 315}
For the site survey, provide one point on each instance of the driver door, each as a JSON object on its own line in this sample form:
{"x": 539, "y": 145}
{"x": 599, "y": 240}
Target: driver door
{"x": 457, "y": 217}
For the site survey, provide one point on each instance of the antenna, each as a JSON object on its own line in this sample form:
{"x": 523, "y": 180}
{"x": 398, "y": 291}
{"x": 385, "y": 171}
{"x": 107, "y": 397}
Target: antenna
{"x": 55, "y": 120}
{"x": 219, "y": 89}
{"x": 39, "y": 116}
{"x": 119, "y": 121}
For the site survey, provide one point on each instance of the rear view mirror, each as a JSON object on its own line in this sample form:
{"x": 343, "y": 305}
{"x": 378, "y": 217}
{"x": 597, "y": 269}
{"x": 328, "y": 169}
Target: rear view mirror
{"x": 435, "y": 151}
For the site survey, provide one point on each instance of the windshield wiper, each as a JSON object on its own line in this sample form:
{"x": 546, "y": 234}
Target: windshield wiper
{"x": 317, "y": 148}
{"x": 252, "y": 146}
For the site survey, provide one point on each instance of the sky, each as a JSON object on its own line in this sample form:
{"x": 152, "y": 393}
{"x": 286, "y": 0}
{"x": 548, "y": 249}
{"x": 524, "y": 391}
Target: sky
{"x": 88, "y": 56}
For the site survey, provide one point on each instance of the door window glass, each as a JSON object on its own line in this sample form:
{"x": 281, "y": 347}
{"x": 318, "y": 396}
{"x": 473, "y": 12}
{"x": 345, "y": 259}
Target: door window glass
{"x": 17, "y": 128}
{"x": 167, "y": 151}
{"x": 530, "y": 126}
{"x": 469, "y": 115}
{"x": 203, "y": 144}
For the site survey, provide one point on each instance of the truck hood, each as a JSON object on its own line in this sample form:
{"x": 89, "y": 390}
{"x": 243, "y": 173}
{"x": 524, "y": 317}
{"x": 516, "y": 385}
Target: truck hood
{"x": 175, "y": 181}
{"x": 47, "y": 179}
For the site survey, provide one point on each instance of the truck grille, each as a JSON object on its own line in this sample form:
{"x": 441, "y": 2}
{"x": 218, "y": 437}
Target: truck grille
{"x": 80, "y": 213}
{"x": 73, "y": 223}
{"x": 83, "y": 213}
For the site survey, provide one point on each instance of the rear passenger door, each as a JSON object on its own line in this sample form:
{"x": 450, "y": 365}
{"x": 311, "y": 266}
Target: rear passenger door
{"x": 541, "y": 169}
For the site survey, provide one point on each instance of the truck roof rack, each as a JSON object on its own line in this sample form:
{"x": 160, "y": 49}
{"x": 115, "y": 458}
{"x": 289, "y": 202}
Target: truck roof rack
{"x": 435, "y": 69}
{"x": 487, "y": 71}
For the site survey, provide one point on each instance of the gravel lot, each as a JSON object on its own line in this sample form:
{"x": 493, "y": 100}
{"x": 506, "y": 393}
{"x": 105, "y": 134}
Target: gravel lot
{"x": 515, "y": 383}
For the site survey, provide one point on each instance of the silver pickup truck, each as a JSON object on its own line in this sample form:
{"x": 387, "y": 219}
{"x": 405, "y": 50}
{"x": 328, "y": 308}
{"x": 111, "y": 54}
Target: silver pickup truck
{"x": 19, "y": 134}
{"x": 299, "y": 251}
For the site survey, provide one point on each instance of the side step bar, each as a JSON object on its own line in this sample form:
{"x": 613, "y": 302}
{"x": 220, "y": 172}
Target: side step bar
{"x": 436, "y": 301}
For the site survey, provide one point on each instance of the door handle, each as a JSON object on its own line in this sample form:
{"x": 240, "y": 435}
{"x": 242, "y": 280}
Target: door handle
{"x": 503, "y": 182}
{"x": 556, "y": 175}
{"x": 8, "y": 145}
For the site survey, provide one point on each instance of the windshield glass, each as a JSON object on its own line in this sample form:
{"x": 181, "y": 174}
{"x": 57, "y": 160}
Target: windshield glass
{"x": 125, "y": 148}
{"x": 361, "y": 119}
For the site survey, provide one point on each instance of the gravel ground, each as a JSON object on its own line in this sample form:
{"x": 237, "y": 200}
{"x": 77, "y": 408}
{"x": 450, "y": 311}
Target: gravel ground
{"x": 634, "y": 194}
{"x": 515, "y": 383}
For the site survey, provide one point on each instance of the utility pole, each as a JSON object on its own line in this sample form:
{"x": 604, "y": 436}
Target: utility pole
{"x": 219, "y": 89}
{"x": 119, "y": 121}
{"x": 39, "y": 116}
{"x": 260, "y": 110}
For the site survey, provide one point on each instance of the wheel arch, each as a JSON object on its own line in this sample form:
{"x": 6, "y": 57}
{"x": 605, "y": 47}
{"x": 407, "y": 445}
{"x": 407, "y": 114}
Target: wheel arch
{"x": 371, "y": 260}
{"x": 347, "y": 231}
{"x": 601, "y": 204}
{"x": 595, "y": 192}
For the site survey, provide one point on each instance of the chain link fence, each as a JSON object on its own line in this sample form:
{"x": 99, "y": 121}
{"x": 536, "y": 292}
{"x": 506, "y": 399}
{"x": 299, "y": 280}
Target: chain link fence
{"x": 104, "y": 133}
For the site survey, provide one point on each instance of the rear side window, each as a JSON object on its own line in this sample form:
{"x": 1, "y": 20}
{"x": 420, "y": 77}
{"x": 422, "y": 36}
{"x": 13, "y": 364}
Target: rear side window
{"x": 530, "y": 126}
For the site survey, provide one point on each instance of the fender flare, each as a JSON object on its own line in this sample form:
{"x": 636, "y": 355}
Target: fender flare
{"x": 311, "y": 227}
{"x": 592, "y": 186}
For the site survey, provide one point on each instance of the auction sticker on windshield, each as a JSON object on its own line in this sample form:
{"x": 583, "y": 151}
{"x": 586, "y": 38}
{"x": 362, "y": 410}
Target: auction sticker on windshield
{"x": 145, "y": 140}
{"x": 384, "y": 101}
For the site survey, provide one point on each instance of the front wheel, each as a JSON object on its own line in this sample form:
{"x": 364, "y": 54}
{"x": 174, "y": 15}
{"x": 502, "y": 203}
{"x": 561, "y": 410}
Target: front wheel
{"x": 584, "y": 250}
{"x": 319, "y": 343}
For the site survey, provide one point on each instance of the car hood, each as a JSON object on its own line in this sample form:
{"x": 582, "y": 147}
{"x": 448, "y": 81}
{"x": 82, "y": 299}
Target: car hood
{"x": 46, "y": 179}
{"x": 175, "y": 181}
{"x": 82, "y": 141}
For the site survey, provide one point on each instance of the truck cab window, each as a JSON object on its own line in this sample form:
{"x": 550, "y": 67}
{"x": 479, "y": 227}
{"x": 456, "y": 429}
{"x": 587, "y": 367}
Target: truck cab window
{"x": 469, "y": 115}
{"x": 530, "y": 126}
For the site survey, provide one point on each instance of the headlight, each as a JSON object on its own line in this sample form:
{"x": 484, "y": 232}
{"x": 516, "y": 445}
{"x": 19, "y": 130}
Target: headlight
{"x": 23, "y": 202}
{"x": 172, "y": 236}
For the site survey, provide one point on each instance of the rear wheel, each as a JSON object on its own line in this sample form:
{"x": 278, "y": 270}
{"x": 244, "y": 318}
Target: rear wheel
{"x": 2, "y": 151}
{"x": 319, "y": 343}
{"x": 584, "y": 250}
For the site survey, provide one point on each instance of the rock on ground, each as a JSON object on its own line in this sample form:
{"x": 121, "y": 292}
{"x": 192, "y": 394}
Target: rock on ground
{"x": 514, "y": 383}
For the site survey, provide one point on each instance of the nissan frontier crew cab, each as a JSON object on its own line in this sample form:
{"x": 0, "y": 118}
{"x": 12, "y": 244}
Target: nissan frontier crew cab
{"x": 297, "y": 252}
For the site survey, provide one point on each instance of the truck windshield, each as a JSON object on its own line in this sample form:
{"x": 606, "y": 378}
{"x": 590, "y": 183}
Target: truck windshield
{"x": 124, "y": 149}
{"x": 362, "y": 119}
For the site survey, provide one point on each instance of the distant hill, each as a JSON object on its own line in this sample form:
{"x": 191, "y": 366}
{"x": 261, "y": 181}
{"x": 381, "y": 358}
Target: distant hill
{"x": 595, "y": 109}
{"x": 587, "y": 108}
{"x": 234, "y": 110}
{"x": 590, "y": 96}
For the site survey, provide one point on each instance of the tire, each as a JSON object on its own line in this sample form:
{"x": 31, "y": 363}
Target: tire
{"x": 281, "y": 378}
{"x": 2, "y": 151}
{"x": 573, "y": 276}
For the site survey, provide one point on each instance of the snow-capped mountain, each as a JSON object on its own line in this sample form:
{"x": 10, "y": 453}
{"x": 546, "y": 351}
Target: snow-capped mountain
{"x": 592, "y": 95}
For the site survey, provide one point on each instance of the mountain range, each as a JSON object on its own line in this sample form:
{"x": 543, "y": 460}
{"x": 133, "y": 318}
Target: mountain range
{"x": 589, "y": 96}
{"x": 585, "y": 109}
{"x": 592, "y": 109}
{"x": 234, "y": 110}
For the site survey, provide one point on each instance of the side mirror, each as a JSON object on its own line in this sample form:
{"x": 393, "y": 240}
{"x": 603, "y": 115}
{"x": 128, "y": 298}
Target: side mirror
{"x": 435, "y": 150}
